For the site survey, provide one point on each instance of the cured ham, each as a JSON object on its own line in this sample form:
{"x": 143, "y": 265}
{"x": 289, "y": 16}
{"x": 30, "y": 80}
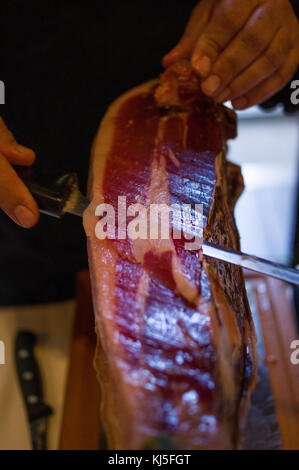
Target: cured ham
{"x": 176, "y": 355}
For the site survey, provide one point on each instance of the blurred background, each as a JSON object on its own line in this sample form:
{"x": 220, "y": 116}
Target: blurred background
{"x": 267, "y": 148}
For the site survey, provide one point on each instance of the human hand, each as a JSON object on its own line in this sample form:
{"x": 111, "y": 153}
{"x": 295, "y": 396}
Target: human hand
{"x": 15, "y": 199}
{"x": 245, "y": 51}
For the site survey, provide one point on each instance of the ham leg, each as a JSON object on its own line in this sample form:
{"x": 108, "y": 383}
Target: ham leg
{"x": 176, "y": 355}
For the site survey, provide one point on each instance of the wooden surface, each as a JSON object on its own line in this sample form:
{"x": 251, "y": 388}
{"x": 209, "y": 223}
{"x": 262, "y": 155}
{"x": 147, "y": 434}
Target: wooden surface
{"x": 81, "y": 423}
{"x": 277, "y": 326}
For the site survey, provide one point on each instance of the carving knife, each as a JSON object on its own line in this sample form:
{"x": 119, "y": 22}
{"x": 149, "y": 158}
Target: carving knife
{"x": 63, "y": 196}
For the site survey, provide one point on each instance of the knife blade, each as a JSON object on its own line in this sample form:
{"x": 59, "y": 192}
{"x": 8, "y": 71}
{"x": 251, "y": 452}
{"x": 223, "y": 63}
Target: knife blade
{"x": 251, "y": 262}
{"x": 64, "y": 197}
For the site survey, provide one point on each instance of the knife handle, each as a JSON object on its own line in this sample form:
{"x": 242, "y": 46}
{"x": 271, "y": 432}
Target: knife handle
{"x": 51, "y": 195}
{"x": 29, "y": 376}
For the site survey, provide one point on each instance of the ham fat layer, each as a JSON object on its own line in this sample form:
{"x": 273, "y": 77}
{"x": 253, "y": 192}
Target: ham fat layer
{"x": 176, "y": 354}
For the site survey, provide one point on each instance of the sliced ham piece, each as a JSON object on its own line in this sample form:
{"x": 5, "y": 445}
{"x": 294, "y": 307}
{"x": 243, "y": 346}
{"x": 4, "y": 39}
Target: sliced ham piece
{"x": 176, "y": 355}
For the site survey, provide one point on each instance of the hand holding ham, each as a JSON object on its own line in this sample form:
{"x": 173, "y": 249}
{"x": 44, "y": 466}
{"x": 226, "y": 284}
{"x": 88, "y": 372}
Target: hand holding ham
{"x": 15, "y": 199}
{"x": 245, "y": 51}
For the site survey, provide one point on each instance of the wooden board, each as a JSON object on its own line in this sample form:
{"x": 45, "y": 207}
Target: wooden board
{"x": 80, "y": 428}
{"x": 272, "y": 306}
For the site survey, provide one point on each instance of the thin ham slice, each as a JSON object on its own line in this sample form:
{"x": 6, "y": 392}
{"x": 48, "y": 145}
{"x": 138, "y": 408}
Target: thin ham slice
{"x": 176, "y": 355}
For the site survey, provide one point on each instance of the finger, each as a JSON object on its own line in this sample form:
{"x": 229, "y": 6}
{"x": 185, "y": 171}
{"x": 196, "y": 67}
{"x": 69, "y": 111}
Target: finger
{"x": 271, "y": 85}
{"x": 273, "y": 58}
{"x": 14, "y": 152}
{"x": 247, "y": 45}
{"x": 15, "y": 199}
{"x": 198, "y": 20}
{"x": 226, "y": 21}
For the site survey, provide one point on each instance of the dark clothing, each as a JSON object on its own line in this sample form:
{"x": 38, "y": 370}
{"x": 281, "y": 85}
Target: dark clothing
{"x": 63, "y": 63}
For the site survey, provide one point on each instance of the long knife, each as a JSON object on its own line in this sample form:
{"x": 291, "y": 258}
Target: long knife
{"x": 252, "y": 262}
{"x": 63, "y": 196}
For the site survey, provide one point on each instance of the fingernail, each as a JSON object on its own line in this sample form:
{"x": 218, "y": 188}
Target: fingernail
{"x": 203, "y": 66}
{"x": 24, "y": 216}
{"x": 21, "y": 148}
{"x": 223, "y": 96}
{"x": 211, "y": 85}
{"x": 239, "y": 103}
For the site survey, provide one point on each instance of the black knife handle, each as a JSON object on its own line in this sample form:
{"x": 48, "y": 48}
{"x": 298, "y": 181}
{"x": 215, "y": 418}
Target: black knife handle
{"x": 29, "y": 376}
{"x": 51, "y": 194}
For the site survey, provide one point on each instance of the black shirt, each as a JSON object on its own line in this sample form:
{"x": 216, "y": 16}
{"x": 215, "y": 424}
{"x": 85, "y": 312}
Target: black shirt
{"x": 63, "y": 63}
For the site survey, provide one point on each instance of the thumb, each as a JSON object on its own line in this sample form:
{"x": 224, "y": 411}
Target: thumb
{"x": 198, "y": 20}
{"x": 14, "y": 152}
